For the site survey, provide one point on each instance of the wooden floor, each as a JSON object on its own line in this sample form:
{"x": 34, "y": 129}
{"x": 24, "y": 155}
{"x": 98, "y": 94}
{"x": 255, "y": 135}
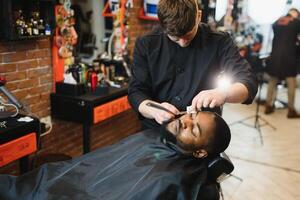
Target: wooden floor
{"x": 266, "y": 167}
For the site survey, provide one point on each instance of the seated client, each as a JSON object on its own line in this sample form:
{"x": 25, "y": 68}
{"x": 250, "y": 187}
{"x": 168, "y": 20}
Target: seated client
{"x": 152, "y": 164}
{"x": 202, "y": 133}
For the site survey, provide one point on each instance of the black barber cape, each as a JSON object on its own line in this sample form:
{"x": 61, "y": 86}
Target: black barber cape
{"x": 140, "y": 167}
{"x": 165, "y": 72}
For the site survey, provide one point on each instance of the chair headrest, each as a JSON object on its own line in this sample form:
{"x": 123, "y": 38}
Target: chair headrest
{"x": 219, "y": 167}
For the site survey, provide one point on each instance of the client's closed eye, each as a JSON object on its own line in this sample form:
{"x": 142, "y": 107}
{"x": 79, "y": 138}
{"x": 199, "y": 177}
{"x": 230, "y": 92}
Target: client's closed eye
{"x": 199, "y": 129}
{"x": 180, "y": 124}
{"x": 193, "y": 115}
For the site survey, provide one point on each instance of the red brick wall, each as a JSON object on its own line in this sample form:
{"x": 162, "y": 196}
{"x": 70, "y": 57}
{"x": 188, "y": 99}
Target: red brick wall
{"x": 27, "y": 66}
{"x": 138, "y": 26}
{"x": 28, "y": 70}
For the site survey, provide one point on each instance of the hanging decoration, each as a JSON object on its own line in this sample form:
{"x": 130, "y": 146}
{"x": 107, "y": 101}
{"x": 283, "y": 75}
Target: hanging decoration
{"x": 64, "y": 39}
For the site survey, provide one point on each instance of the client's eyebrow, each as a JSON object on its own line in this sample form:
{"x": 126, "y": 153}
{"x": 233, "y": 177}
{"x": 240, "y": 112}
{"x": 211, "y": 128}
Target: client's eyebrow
{"x": 198, "y": 125}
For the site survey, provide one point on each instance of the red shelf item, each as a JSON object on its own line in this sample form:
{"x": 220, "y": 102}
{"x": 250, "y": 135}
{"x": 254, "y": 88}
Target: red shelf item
{"x": 143, "y": 16}
{"x": 106, "y": 11}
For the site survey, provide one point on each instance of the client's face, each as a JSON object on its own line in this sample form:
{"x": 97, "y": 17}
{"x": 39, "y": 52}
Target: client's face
{"x": 193, "y": 129}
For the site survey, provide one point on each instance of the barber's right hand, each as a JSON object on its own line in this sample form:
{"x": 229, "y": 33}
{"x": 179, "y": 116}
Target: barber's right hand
{"x": 162, "y": 116}
{"x": 159, "y": 115}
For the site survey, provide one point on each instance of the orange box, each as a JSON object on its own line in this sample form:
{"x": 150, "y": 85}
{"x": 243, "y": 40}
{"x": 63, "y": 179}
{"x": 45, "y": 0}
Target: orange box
{"x": 17, "y": 148}
{"x": 110, "y": 109}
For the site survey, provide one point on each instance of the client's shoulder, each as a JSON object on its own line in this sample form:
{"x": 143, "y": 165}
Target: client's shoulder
{"x": 152, "y": 134}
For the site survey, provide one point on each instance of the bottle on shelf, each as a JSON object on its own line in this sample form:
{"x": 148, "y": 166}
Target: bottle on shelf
{"x": 35, "y": 29}
{"x": 47, "y": 29}
{"x": 35, "y": 15}
{"x": 41, "y": 27}
{"x": 19, "y": 28}
{"x": 25, "y": 30}
{"x": 19, "y": 22}
{"x": 29, "y": 29}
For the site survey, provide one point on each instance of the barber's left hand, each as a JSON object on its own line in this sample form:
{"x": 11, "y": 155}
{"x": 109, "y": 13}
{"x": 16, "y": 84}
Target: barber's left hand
{"x": 209, "y": 98}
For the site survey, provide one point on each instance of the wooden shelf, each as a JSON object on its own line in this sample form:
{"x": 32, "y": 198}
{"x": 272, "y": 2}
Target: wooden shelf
{"x": 8, "y": 19}
{"x": 33, "y": 37}
{"x": 143, "y": 16}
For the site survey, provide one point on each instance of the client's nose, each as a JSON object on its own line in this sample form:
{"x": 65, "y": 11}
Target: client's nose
{"x": 186, "y": 122}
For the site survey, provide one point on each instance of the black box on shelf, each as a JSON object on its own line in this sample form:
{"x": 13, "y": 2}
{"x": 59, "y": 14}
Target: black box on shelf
{"x": 99, "y": 90}
{"x": 70, "y": 89}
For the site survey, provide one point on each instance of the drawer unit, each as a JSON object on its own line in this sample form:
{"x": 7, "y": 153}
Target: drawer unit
{"x": 86, "y": 108}
{"x": 17, "y": 148}
{"x": 89, "y": 108}
{"x": 110, "y": 109}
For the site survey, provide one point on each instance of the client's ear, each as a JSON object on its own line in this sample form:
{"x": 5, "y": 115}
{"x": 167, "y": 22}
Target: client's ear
{"x": 201, "y": 153}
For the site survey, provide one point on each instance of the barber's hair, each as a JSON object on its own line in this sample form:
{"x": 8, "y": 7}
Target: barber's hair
{"x": 177, "y": 17}
{"x": 220, "y": 139}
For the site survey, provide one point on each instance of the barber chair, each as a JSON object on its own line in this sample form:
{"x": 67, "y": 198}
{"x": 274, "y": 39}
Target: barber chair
{"x": 218, "y": 168}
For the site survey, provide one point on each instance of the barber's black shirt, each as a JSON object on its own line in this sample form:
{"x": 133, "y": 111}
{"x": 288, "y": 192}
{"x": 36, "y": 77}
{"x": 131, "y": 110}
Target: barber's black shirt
{"x": 165, "y": 72}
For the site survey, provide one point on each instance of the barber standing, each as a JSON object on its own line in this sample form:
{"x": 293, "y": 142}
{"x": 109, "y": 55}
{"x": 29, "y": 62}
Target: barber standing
{"x": 283, "y": 62}
{"x": 179, "y": 65}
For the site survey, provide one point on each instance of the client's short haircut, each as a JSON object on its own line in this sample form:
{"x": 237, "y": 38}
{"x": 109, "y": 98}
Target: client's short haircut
{"x": 221, "y": 138}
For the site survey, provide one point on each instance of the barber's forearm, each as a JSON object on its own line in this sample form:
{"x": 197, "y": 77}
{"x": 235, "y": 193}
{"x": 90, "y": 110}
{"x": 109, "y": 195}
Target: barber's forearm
{"x": 237, "y": 93}
{"x": 137, "y": 93}
{"x": 146, "y": 110}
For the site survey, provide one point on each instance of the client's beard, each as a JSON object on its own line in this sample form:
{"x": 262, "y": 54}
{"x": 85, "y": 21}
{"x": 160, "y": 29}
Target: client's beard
{"x": 170, "y": 140}
{"x": 167, "y": 135}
